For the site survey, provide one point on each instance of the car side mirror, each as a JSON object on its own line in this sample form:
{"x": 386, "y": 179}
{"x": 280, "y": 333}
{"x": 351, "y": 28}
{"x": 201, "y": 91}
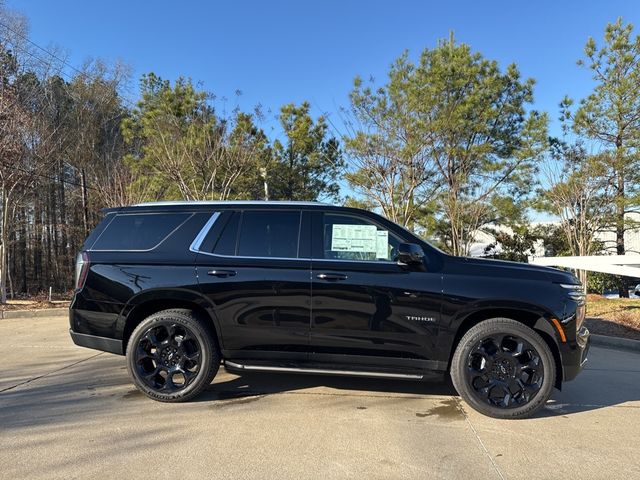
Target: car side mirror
{"x": 410, "y": 254}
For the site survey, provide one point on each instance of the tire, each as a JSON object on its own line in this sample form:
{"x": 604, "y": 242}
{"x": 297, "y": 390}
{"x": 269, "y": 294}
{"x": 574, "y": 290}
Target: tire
{"x": 172, "y": 356}
{"x": 503, "y": 369}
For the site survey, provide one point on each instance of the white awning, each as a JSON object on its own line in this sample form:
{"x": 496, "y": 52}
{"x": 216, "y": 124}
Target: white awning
{"x": 627, "y": 265}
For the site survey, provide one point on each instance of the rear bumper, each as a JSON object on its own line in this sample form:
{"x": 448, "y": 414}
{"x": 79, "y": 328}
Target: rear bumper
{"x": 98, "y": 343}
{"x": 575, "y": 357}
{"x": 95, "y": 326}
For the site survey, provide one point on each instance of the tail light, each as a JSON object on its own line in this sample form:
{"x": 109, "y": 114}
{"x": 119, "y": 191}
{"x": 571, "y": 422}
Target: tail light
{"x": 82, "y": 267}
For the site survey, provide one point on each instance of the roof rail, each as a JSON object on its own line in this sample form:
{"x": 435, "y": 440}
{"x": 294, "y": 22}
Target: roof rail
{"x": 226, "y": 202}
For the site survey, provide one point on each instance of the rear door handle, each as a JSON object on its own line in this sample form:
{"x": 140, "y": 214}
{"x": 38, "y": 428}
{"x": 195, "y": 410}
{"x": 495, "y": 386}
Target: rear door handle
{"x": 331, "y": 276}
{"x": 222, "y": 273}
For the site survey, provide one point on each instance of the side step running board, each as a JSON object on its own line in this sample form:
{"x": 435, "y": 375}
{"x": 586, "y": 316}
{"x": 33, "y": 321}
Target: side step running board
{"x": 321, "y": 371}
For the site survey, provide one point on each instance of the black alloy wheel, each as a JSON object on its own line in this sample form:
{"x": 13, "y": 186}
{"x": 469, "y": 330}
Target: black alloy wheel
{"x": 504, "y": 369}
{"x": 172, "y": 356}
{"x": 167, "y": 357}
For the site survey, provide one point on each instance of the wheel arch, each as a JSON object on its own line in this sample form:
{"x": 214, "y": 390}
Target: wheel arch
{"x": 531, "y": 317}
{"x": 152, "y": 301}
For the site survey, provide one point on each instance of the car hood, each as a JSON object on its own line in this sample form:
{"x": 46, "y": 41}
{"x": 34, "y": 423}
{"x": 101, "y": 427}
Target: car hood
{"x": 506, "y": 269}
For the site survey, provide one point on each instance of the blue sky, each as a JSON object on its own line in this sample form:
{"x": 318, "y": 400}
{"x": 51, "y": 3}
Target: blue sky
{"x": 277, "y": 52}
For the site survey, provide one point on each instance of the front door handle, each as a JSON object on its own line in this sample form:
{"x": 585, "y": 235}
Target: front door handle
{"x": 222, "y": 273}
{"x": 331, "y": 276}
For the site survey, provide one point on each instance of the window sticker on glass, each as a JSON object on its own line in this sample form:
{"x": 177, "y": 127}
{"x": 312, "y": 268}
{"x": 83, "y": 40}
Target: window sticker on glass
{"x": 354, "y": 238}
{"x": 382, "y": 244}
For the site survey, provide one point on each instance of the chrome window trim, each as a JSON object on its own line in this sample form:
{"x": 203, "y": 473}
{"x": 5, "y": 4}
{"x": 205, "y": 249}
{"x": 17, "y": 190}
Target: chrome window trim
{"x": 252, "y": 258}
{"x": 373, "y": 262}
{"x": 197, "y": 242}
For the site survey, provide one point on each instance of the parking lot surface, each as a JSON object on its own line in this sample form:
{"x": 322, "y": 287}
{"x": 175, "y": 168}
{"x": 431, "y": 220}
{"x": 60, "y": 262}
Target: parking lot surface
{"x": 68, "y": 412}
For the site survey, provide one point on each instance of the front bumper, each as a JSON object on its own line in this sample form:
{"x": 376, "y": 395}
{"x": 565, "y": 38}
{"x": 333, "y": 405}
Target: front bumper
{"x": 574, "y": 356}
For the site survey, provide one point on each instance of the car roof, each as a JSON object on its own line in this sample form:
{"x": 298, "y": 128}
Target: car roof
{"x": 226, "y": 202}
{"x": 183, "y": 205}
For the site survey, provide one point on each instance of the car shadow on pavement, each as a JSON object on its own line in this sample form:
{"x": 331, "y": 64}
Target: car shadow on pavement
{"x": 252, "y": 384}
{"x": 99, "y": 386}
{"x": 611, "y": 379}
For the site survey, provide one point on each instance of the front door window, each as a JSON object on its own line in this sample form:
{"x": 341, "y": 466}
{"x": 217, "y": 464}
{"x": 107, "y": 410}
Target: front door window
{"x": 348, "y": 237}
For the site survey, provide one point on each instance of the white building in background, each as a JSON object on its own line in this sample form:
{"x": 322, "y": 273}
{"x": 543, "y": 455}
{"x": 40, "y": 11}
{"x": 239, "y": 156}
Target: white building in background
{"x": 484, "y": 239}
{"x": 631, "y": 237}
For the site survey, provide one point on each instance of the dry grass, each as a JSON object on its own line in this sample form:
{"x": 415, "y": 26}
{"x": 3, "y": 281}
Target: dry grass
{"x": 33, "y": 304}
{"x": 623, "y": 310}
{"x": 628, "y": 319}
{"x": 618, "y": 317}
{"x": 594, "y": 297}
{"x": 38, "y": 301}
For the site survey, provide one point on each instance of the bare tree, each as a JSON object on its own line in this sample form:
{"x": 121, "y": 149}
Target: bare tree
{"x": 113, "y": 186}
{"x": 204, "y": 161}
{"x": 181, "y": 146}
{"x": 578, "y": 191}
{"x": 97, "y": 108}
{"x": 14, "y": 123}
{"x": 387, "y": 170}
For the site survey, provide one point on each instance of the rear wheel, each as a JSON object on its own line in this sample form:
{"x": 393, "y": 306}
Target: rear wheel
{"x": 171, "y": 356}
{"x": 503, "y": 369}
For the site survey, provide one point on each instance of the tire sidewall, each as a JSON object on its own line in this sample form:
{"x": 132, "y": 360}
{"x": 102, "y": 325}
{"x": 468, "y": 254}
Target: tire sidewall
{"x": 503, "y": 326}
{"x": 208, "y": 353}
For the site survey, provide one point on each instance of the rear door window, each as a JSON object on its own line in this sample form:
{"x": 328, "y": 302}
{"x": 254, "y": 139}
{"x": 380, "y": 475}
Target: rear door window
{"x": 226, "y": 244}
{"x": 269, "y": 234}
{"x": 144, "y": 231}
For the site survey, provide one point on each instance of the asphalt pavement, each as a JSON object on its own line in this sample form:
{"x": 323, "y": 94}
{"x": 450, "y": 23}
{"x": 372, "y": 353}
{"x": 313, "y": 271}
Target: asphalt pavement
{"x": 68, "y": 412}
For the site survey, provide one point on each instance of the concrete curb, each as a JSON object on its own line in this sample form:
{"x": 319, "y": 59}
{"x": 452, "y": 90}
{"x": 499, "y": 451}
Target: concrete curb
{"x": 615, "y": 342}
{"x": 44, "y": 312}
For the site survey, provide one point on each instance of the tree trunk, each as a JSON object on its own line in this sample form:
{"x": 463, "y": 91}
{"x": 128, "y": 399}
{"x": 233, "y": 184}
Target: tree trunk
{"x": 63, "y": 253}
{"x": 583, "y": 276}
{"x": 85, "y": 202}
{"x": 54, "y": 230}
{"x": 47, "y": 241}
{"x": 623, "y": 282}
{"x": 3, "y": 248}
{"x": 37, "y": 240}
{"x": 24, "y": 254}
{"x": 10, "y": 282}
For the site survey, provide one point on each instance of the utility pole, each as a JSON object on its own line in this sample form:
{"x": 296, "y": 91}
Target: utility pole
{"x": 263, "y": 174}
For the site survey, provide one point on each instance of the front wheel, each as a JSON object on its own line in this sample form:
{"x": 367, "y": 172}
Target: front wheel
{"x": 503, "y": 369}
{"x": 171, "y": 356}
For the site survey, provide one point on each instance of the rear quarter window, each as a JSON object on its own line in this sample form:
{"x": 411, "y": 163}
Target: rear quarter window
{"x": 143, "y": 231}
{"x": 95, "y": 233}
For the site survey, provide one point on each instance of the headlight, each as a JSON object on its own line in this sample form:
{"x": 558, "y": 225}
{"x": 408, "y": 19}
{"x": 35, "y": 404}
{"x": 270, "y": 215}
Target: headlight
{"x": 575, "y": 291}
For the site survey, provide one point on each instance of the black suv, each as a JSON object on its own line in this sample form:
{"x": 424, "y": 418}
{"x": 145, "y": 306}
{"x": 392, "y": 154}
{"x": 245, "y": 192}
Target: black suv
{"x": 181, "y": 287}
